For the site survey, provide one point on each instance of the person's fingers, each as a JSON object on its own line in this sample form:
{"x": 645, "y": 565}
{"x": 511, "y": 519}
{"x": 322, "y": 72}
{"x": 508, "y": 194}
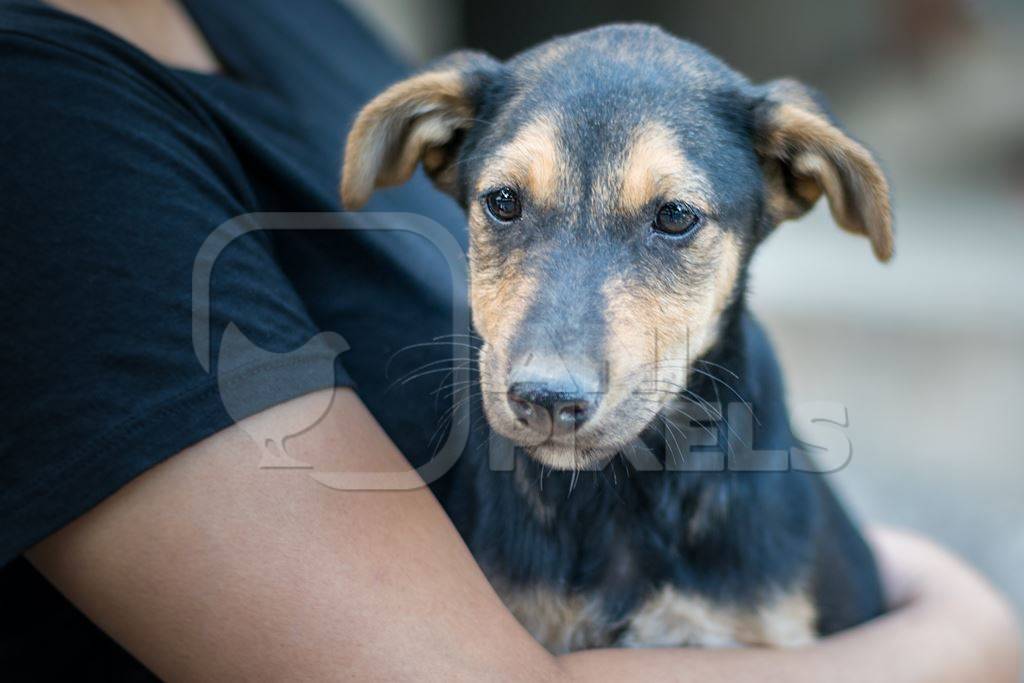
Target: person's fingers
{"x": 919, "y": 574}
{"x": 906, "y": 563}
{"x": 913, "y": 567}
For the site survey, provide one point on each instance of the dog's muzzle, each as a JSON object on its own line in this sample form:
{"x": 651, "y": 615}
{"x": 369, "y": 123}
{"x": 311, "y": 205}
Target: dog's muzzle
{"x": 552, "y": 399}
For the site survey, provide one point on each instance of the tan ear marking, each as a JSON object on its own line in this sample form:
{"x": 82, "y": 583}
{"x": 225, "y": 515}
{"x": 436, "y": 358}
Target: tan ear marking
{"x": 821, "y": 159}
{"x": 410, "y": 121}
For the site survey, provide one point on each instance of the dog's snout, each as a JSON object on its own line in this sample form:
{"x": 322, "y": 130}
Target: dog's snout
{"x": 541, "y": 404}
{"x": 547, "y": 407}
{"x": 551, "y": 397}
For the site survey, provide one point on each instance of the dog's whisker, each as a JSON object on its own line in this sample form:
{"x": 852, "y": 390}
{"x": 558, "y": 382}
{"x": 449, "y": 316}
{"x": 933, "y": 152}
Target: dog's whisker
{"x": 676, "y": 409}
{"x": 438, "y": 343}
{"x": 717, "y": 365}
{"x": 735, "y": 393}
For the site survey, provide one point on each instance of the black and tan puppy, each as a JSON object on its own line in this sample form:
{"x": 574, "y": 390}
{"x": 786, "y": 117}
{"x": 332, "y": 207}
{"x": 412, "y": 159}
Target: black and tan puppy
{"x": 617, "y": 182}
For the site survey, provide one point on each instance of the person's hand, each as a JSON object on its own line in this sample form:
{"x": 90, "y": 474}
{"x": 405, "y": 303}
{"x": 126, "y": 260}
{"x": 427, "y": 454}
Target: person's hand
{"x": 962, "y": 626}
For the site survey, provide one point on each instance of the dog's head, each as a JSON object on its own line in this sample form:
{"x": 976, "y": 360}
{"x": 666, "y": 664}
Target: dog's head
{"x": 616, "y": 182}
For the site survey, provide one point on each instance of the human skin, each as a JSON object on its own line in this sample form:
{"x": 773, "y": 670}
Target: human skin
{"x": 207, "y": 567}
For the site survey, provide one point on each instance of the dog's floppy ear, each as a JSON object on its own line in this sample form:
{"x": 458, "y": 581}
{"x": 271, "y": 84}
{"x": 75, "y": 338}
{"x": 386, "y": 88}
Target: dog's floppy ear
{"x": 804, "y": 154}
{"x": 419, "y": 119}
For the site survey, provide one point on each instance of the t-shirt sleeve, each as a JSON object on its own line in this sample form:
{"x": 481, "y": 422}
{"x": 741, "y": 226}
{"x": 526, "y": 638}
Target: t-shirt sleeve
{"x": 110, "y": 185}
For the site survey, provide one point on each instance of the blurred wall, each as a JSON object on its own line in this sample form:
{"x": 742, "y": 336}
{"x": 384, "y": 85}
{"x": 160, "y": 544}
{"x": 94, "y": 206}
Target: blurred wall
{"x": 760, "y": 38}
{"x": 417, "y": 29}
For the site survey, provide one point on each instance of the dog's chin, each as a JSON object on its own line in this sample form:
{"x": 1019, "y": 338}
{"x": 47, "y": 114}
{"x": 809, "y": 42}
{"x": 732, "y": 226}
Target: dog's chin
{"x": 561, "y": 453}
{"x": 570, "y": 457}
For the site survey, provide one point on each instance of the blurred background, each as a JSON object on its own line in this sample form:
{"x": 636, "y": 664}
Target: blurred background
{"x": 927, "y": 353}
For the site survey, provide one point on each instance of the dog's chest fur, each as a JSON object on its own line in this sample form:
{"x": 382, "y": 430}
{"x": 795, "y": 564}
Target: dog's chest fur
{"x": 668, "y": 617}
{"x": 640, "y": 563}
{"x": 658, "y": 559}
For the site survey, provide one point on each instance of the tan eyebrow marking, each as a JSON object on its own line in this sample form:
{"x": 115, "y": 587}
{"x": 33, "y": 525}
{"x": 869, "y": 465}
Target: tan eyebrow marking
{"x": 533, "y": 160}
{"x": 656, "y": 166}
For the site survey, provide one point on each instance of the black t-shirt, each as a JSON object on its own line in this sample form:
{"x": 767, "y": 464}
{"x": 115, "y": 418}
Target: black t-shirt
{"x": 115, "y": 171}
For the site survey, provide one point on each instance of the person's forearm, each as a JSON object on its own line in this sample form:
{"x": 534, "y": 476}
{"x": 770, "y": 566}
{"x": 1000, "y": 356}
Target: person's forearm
{"x": 707, "y": 666}
{"x": 947, "y": 625}
{"x": 906, "y": 647}
{"x": 207, "y": 567}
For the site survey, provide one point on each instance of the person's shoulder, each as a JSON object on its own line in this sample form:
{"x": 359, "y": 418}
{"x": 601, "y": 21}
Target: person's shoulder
{"x": 31, "y": 32}
{"x": 54, "y": 60}
{"x": 89, "y": 118}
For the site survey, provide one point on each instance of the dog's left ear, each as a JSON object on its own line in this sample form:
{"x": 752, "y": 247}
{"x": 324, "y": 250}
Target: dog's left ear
{"x": 422, "y": 118}
{"x": 804, "y": 153}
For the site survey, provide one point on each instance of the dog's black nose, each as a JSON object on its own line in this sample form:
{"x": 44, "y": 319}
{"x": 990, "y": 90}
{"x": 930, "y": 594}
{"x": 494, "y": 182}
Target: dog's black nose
{"x": 547, "y": 408}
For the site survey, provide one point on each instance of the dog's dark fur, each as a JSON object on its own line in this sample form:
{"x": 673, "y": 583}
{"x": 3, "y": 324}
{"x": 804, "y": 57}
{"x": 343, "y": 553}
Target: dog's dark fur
{"x": 594, "y": 133}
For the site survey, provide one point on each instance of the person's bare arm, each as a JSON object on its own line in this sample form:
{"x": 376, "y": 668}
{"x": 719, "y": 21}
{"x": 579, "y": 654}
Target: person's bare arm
{"x": 206, "y": 567}
{"x": 947, "y": 625}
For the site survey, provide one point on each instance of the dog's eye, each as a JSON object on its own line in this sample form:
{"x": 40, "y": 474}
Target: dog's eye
{"x": 503, "y": 204}
{"x": 677, "y": 219}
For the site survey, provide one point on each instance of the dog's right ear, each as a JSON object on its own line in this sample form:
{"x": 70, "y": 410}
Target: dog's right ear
{"x": 805, "y": 153}
{"x": 420, "y": 119}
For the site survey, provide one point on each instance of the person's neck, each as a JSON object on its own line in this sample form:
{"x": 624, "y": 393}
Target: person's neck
{"x": 161, "y": 28}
